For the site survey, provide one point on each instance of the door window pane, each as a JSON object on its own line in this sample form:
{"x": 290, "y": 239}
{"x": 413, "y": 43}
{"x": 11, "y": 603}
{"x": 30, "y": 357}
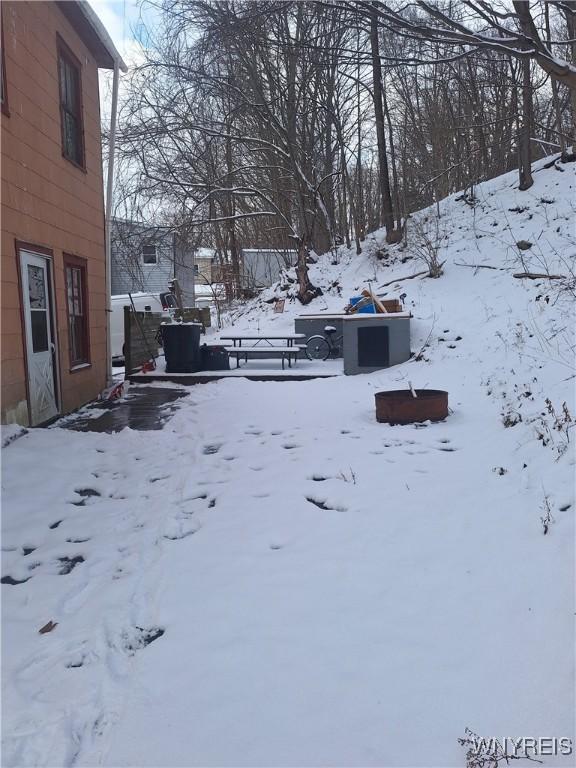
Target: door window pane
{"x": 39, "y": 323}
{"x": 36, "y": 287}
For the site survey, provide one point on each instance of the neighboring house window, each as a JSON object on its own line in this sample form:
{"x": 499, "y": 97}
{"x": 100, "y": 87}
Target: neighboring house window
{"x": 149, "y": 255}
{"x": 70, "y": 106}
{"x": 76, "y": 294}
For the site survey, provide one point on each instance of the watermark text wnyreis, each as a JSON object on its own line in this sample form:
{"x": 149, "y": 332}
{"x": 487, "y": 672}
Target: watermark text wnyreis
{"x": 523, "y": 746}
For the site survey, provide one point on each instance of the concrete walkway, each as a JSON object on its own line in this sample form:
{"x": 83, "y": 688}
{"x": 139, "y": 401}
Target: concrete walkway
{"x": 142, "y": 408}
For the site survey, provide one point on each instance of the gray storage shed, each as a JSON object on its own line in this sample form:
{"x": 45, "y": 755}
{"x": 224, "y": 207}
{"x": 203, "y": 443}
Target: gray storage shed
{"x": 369, "y": 342}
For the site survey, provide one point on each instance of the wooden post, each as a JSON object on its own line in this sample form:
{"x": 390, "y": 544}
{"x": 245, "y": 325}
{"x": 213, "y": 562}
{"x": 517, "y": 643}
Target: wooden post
{"x": 127, "y": 342}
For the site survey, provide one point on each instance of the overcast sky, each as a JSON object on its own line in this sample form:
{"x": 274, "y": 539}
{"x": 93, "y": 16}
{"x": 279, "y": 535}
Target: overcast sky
{"x": 123, "y": 20}
{"x": 120, "y": 17}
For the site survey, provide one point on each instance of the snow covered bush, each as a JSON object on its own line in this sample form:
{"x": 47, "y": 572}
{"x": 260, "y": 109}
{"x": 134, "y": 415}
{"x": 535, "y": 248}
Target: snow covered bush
{"x": 425, "y": 242}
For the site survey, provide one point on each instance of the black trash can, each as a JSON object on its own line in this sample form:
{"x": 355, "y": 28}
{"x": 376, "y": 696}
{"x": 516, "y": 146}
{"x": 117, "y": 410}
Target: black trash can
{"x": 214, "y": 357}
{"x": 181, "y": 342}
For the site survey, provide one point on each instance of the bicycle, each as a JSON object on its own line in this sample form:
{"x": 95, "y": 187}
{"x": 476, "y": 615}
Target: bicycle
{"x": 322, "y": 347}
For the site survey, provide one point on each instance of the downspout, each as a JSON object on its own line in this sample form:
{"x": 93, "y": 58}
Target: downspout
{"x": 193, "y": 278}
{"x": 109, "y": 193}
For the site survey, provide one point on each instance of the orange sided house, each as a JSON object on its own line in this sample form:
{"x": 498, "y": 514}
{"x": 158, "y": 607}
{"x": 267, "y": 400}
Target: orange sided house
{"x": 53, "y": 271}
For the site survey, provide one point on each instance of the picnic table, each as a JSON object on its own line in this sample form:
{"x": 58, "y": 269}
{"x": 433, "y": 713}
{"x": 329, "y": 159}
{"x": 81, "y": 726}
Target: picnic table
{"x": 263, "y": 346}
{"x": 289, "y": 338}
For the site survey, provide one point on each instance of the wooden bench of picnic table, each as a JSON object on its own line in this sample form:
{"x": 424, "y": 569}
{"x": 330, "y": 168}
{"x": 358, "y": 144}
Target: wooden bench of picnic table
{"x": 288, "y": 353}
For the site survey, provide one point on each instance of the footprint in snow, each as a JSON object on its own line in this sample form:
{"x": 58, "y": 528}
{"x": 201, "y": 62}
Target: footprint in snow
{"x": 323, "y": 504}
{"x": 76, "y": 663}
{"x": 13, "y": 582}
{"x": 209, "y": 450}
{"x": 142, "y": 637}
{"x": 86, "y": 493}
{"x": 69, "y": 563}
{"x": 181, "y": 529}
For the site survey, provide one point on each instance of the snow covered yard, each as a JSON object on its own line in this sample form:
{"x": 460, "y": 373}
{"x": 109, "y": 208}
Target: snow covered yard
{"x": 276, "y": 579}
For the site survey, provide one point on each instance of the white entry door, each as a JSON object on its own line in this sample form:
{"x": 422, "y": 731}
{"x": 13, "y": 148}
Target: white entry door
{"x": 40, "y": 349}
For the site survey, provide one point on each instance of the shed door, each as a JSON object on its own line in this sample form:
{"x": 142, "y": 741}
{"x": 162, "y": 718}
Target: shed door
{"x": 40, "y": 349}
{"x": 373, "y": 350}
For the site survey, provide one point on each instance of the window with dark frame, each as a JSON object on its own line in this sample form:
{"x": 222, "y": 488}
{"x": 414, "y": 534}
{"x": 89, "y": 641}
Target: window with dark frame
{"x": 76, "y": 292}
{"x": 149, "y": 255}
{"x": 70, "y": 106}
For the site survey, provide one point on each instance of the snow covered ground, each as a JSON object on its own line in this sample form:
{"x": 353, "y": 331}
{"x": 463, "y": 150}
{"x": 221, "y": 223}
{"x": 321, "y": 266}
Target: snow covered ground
{"x": 275, "y": 579}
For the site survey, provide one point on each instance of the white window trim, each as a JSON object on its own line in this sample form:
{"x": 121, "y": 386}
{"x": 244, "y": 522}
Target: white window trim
{"x": 150, "y": 263}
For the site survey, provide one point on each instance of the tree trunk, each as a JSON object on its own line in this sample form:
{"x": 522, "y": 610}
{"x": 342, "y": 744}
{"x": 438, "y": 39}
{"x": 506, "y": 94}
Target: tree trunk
{"x": 306, "y": 291}
{"x": 524, "y": 142}
{"x": 570, "y": 15}
{"x": 232, "y": 242}
{"x": 360, "y": 221}
{"x": 385, "y": 196}
{"x": 393, "y": 161}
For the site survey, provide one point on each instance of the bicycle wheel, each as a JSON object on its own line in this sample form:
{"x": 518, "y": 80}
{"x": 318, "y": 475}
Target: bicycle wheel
{"x": 317, "y": 348}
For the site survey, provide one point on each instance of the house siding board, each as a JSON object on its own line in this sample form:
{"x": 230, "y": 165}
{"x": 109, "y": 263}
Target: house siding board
{"x": 129, "y": 274}
{"x": 151, "y": 278}
{"x": 261, "y": 268}
{"x": 46, "y": 200}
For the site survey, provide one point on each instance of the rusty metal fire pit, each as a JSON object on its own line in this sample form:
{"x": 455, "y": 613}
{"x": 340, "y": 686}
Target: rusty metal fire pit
{"x": 399, "y": 406}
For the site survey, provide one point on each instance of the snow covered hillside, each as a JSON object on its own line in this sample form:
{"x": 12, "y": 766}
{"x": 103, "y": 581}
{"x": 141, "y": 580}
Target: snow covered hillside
{"x": 276, "y": 579}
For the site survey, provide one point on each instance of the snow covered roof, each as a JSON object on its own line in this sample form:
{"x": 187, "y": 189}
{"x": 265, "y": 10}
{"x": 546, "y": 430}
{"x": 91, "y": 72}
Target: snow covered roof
{"x": 93, "y": 33}
{"x": 268, "y": 250}
{"x": 204, "y": 253}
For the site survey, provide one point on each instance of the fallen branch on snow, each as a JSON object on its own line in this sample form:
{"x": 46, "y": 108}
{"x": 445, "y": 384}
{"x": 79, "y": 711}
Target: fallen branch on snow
{"x": 539, "y": 276}
{"x": 399, "y": 279}
{"x": 478, "y": 266}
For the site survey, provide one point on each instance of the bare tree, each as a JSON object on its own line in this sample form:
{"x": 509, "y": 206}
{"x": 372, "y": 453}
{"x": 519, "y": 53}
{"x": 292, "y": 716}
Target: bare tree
{"x": 301, "y": 125}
